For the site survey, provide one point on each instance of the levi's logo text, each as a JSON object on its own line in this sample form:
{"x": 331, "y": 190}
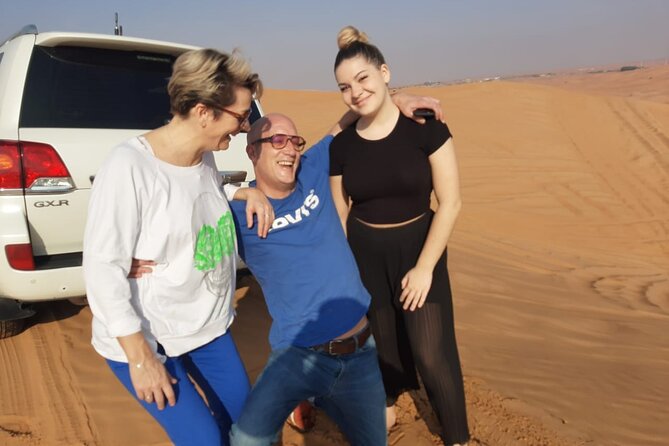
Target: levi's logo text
{"x": 311, "y": 202}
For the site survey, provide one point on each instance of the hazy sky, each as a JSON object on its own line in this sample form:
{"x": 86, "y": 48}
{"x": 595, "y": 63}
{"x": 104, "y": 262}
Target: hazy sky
{"x": 292, "y": 43}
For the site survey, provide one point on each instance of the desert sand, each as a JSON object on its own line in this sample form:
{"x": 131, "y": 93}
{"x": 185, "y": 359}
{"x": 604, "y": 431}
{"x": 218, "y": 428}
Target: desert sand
{"x": 559, "y": 264}
{"x": 649, "y": 82}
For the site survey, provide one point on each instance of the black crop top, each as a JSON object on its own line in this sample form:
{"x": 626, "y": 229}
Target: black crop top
{"x": 389, "y": 180}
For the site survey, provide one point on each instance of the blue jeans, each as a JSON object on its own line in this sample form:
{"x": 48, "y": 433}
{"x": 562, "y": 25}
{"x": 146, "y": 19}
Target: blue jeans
{"x": 219, "y": 372}
{"x": 348, "y": 388}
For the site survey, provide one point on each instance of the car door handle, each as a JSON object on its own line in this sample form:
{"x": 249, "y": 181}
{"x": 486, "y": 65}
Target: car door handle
{"x": 229, "y": 176}
{"x": 233, "y": 176}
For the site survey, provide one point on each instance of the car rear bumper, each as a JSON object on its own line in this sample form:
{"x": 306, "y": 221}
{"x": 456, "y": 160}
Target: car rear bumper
{"x": 32, "y": 286}
{"x": 54, "y": 277}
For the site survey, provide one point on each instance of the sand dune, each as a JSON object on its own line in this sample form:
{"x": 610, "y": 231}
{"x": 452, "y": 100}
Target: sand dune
{"x": 559, "y": 267}
{"x": 648, "y": 82}
{"x": 560, "y": 257}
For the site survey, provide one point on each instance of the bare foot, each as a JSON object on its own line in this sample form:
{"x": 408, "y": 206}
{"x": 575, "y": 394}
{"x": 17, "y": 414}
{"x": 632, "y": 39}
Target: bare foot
{"x": 391, "y": 417}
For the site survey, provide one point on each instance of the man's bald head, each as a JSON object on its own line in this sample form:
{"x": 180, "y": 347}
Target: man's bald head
{"x": 263, "y": 126}
{"x": 275, "y": 169}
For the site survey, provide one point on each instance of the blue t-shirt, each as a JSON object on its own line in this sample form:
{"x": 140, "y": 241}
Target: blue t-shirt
{"x": 305, "y": 267}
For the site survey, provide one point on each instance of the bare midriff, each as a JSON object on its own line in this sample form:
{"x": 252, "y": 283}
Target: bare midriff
{"x": 389, "y": 225}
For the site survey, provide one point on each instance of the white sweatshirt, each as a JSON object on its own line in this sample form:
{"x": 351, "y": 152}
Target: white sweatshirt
{"x": 146, "y": 208}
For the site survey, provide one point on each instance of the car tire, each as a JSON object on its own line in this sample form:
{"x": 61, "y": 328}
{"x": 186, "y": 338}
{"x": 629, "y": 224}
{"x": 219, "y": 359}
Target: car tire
{"x": 11, "y": 328}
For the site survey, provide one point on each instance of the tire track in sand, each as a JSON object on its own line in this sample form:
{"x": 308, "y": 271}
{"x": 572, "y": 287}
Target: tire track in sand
{"x": 45, "y": 392}
{"x": 632, "y": 120}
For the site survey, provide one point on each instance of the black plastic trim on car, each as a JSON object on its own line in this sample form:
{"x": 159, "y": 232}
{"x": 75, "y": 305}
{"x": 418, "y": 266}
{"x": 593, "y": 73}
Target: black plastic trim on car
{"x": 55, "y": 261}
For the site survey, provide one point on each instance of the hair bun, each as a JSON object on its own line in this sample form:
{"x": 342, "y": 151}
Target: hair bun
{"x": 350, "y": 35}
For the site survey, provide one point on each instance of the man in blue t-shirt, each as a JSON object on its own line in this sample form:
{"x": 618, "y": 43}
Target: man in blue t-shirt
{"x": 322, "y": 347}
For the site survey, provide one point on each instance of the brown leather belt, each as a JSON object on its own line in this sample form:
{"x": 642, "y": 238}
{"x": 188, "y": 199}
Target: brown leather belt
{"x": 344, "y": 346}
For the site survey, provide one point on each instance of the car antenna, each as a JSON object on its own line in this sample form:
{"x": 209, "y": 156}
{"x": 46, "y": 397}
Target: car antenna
{"x": 118, "y": 30}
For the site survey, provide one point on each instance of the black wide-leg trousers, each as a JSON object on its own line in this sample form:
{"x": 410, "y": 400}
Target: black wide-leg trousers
{"x": 423, "y": 339}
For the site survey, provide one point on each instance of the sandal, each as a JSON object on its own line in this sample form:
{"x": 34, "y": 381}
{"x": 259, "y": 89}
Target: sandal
{"x": 302, "y": 417}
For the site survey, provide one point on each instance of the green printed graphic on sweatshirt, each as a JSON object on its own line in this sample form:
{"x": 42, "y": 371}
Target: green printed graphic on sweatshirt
{"x": 213, "y": 244}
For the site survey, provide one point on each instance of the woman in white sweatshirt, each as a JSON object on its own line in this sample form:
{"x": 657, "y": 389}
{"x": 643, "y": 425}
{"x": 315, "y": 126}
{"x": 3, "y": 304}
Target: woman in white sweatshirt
{"x": 158, "y": 196}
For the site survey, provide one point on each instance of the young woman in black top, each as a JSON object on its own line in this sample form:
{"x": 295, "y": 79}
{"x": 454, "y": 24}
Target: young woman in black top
{"x": 383, "y": 170}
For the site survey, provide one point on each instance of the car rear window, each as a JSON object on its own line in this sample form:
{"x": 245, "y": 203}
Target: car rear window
{"x": 76, "y": 87}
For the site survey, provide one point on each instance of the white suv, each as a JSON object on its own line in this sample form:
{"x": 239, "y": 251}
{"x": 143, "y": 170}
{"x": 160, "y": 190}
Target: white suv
{"x": 65, "y": 100}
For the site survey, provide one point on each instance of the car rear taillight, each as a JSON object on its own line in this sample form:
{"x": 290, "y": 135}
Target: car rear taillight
{"x": 20, "y": 256}
{"x": 10, "y": 166}
{"x": 33, "y": 166}
{"x": 43, "y": 170}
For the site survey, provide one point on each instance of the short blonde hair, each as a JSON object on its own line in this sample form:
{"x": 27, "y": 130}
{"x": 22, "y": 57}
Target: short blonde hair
{"x": 209, "y": 77}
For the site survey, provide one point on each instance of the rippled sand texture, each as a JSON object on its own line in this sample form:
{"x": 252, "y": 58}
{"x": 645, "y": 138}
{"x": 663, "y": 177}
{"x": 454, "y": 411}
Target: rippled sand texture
{"x": 561, "y": 257}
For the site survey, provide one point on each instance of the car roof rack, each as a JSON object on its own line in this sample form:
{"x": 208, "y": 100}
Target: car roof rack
{"x": 28, "y": 29}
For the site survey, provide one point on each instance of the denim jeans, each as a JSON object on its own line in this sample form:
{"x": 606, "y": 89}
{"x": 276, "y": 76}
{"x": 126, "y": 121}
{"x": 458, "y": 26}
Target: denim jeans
{"x": 348, "y": 388}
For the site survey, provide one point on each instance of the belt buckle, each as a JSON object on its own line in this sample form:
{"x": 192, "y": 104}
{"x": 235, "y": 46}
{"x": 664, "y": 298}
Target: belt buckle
{"x": 333, "y": 343}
